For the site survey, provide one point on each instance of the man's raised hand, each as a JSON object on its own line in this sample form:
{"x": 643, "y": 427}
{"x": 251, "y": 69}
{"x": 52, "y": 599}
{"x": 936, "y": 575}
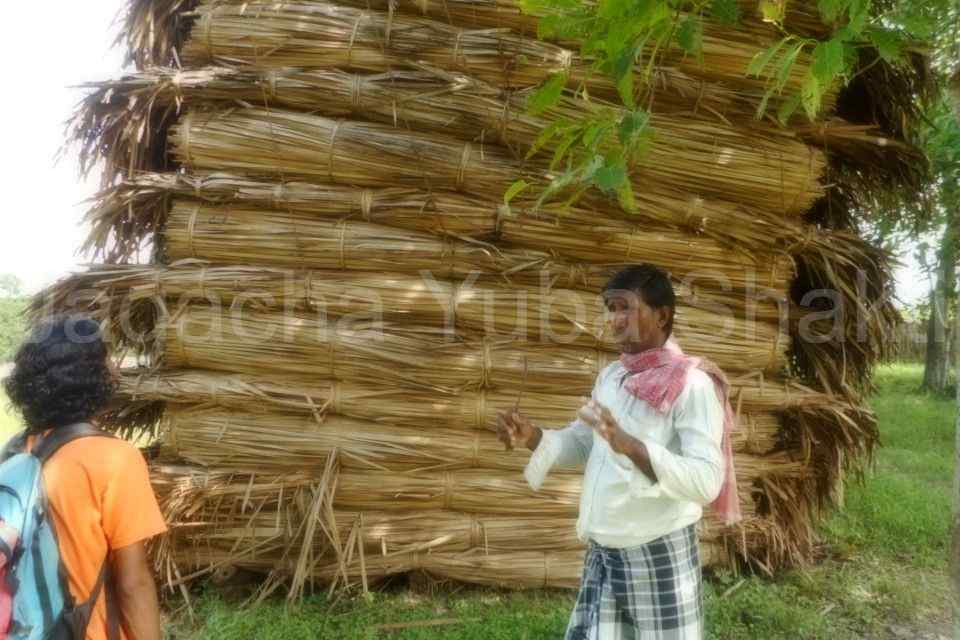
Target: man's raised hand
{"x": 515, "y": 430}
{"x": 599, "y": 418}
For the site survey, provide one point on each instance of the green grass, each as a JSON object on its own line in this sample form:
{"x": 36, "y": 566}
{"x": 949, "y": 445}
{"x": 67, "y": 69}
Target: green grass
{"x": 885, "y": 565}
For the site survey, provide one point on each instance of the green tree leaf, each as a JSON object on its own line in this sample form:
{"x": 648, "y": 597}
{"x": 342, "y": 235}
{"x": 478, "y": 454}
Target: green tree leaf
{"x": 690, "y": 35}
{"x": 552, "y": 131}
{"x": 859, "y": 14}
{"x": 609, "y": 178}
{"x": 828, "y": 61}
{"x": 726, "y": 11}
{"x": 548, "y": 95}
{"x": 632, "y": 125}
{"x": 889, "y": 44}
{"x": 832, "y": 10}
{"x": 785, "y": 64}
{"x": 625, "y": 87}
{"x": 561, "y": 151}
{"x": 916, "y": 23}
{"x": 762, "y": 60}
{"x": 773, "y": 10}
{"x": 515, "y": 189}
{"x": 788, "y": 108}
{"x": 811, "y": 94}
{"x": 625, "y": 197}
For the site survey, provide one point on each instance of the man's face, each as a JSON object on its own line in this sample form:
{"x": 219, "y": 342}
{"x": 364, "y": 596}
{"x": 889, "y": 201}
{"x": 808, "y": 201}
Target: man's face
{"x": 634, "y": 325}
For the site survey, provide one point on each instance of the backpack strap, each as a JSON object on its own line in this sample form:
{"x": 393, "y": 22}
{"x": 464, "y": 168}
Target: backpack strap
{"x": 16, "y": 444}
{"x": 61, "y": 436}
{"x": 79, "y": 618}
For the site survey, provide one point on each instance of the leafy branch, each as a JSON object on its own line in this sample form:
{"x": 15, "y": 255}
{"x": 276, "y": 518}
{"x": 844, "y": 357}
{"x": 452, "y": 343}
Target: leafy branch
{"x": 627, "y": 40}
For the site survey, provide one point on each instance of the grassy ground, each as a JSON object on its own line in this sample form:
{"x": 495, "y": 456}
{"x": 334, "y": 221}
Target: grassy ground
{"x": 884, "y": 576}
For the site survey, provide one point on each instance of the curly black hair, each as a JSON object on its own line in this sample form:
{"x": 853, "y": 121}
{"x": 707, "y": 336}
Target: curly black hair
{"x": 61, "y": 375}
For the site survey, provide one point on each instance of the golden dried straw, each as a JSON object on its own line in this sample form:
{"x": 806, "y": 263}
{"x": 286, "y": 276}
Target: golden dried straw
{"x": 481, "y": 491}
{"x": 408, "y": 355}
{"x": 412, "y": 407}
{"x": 291, "y": 144}
{"x": 762, "y": 167}
{"x": 695, "y": 260}
{"x": 314, "y": 33}
{"x": 238, "y": 235}
{"x": 227, "y": 519}
{"x": 296, "y": 145}
{"x": 365, "y": 405}
{"x": 471, "y": 307}
{"x": 117, "y": 290}
{"x": 361, "y": 348}
{"x": 125, "y": 217}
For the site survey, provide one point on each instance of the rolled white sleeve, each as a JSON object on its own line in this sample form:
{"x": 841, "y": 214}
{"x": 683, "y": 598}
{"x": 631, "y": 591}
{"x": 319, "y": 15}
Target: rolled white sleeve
{"x": 695, "y": 473}
{"x": 568, "y": 447}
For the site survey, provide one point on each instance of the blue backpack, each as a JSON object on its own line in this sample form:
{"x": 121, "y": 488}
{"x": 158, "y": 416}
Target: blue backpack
{"x": 35, "y": 599}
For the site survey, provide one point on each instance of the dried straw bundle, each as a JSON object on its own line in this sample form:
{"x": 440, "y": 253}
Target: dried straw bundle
{"x": 273, "y": 442}
{"x": 238, "y": 235}
{"x": 414, "y": 356}
{"x": 826, "y": 433}
{"x": 411, "y": 355}
{"x": 593, "y": 239}
{"x": 225, "y": 440}
{"x": 114, "y": 292}
{"x": 481, "y": 491}
{"x": 327, "y": 35}
{"x": 275, "y": 404}
{"x": 470, "y": 491}
{"x": 239, "y": 509}
{"x": 290, "y": 144}
{"x": 516, "y": 570}
{"x": 221, "y": 519}
{"x": 411, "y": 407}
{"x": 294, "y": 145}
{"x": 470, "y": 307}
{"x": 759, "y": 166}
{"x": 154, "y": 30}
{"x": 126, "y": 217}
{"x": 727, "y": 51}
{"x": 315, "y": 33}
{"x": 847, "y": 280}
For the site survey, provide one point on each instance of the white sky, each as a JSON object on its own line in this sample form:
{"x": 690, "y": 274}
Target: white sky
{"x": 40, "y": 233}
{"x": 45, "y": 51}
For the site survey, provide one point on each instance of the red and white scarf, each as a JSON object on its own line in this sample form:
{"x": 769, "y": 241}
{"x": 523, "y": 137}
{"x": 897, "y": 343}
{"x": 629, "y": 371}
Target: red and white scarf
{"x": 658, "y": 377}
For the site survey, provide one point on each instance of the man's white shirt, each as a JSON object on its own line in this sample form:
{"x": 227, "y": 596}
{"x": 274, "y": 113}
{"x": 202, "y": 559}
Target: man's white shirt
{"x": 620, "y": 506}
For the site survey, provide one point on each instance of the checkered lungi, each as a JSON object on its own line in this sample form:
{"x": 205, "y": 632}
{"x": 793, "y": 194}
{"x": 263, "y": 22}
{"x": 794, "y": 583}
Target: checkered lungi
{"x": 649, "y": 592}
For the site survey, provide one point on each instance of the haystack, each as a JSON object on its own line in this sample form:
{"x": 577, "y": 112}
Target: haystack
{"x": 302, "y": 238}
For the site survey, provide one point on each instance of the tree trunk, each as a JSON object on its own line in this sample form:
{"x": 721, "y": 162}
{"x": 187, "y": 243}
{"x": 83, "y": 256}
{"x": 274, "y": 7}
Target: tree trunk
{"x": 955, "y": 547}
{"x": 937, "y": 361}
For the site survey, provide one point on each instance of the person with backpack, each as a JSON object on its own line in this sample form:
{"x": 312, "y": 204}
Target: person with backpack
{"x": 76, "y": 505}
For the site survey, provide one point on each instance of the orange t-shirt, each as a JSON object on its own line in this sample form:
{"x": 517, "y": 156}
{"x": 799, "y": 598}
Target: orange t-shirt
{"x": 100, "y": 499}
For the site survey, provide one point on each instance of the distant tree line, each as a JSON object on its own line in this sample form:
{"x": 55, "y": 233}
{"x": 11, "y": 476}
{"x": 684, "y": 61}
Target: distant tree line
{"x": 12, "y": 323}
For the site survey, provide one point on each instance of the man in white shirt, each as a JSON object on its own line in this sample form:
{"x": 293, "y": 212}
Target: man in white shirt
{"x": 652, "y": 440}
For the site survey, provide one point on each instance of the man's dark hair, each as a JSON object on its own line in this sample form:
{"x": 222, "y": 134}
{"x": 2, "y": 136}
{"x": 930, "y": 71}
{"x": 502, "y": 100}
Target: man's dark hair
{"x": 651, "y": 282}
{"x": 60, "y": 375}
